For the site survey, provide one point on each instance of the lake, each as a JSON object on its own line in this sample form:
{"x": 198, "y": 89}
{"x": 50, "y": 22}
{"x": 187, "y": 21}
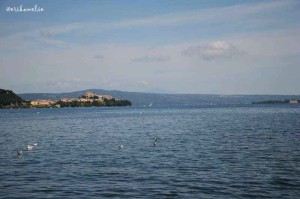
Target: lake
{"x": 247, "y": 151}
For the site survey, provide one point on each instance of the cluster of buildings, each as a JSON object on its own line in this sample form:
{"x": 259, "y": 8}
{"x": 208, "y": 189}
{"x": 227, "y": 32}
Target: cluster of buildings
{"x": 294, "y": 101}
{"x": 88, "y": 97}
{"x": 43, "y": 102}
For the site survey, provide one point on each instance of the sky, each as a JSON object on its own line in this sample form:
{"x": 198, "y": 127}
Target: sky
{"x": 199, "y": 47}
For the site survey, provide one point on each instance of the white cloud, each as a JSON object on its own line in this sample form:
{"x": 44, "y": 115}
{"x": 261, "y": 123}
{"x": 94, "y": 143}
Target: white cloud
{"x": 48, "y": 35}
{"x": 213, "y": 50}
{"x": 35, "y": 38}
{"x": 53, "y": 31}
{"x": 155, "y": 58}
{"x": 145, "y": 83}
{"x": 98, "y": 57}
{"x": 241, "y": 14}
{"x": 270, "y": 44}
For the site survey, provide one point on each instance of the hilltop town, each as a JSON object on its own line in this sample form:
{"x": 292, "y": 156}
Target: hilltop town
{"x": 87, "y": 100}
{"x": 11, "y": 100}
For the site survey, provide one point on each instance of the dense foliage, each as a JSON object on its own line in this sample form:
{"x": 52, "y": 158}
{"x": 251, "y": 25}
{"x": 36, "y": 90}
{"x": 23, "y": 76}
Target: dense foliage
{"x": 10, "y": 99}
{"x": 273, "y": 102}
{"x": 78, "y": 104}
{"x": 114, "y": 102}
{"x": 106, "y": 102}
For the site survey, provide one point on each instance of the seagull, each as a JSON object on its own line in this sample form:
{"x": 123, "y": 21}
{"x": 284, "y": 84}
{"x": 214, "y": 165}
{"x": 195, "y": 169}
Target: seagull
{"x": 19, "y": 152}
{"x": 29, "y": 147}
{"x": 121, "y": 146}
{"x": 155, "y": 139}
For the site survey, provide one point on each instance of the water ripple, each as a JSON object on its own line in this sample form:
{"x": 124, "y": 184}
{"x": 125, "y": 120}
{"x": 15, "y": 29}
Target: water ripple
{"x": 221, "y": 152}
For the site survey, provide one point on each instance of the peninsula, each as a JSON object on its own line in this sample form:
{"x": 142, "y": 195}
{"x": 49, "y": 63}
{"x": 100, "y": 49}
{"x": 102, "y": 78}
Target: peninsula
{"x": 287, "y": 101}
{"x": 8, "y": 99}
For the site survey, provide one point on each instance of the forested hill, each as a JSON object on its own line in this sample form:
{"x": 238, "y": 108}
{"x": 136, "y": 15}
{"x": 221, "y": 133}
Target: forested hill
{"x": 8, "y": 97}
{"x": 141, "y": 99}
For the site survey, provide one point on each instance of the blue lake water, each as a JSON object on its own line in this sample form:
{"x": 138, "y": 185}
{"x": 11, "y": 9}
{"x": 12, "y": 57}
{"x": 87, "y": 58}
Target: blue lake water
{"x": 201, "y": 152}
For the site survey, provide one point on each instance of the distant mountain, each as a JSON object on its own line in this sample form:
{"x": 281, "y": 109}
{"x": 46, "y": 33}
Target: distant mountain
{"x": 9, "y": 98}
{"x": 140, "y": 99}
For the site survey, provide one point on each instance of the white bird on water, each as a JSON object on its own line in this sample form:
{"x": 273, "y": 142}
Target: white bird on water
{"x": 29, "y": 147}
{"x": 121, "y": 146}
{"x": 19, "y": 152}
{"x": 155, "y": 143}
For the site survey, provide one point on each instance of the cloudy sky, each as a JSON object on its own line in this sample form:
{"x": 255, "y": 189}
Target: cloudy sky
{"x": 208, "y": 47}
